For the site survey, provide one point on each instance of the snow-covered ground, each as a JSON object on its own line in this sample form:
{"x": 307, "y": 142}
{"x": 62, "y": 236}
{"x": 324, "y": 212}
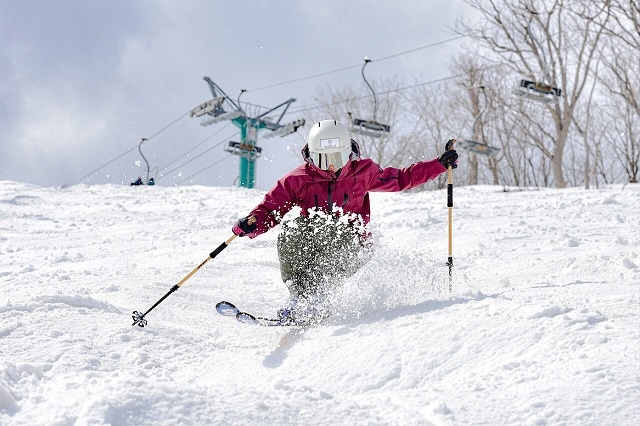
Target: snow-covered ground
{"x": 541, "y": 325}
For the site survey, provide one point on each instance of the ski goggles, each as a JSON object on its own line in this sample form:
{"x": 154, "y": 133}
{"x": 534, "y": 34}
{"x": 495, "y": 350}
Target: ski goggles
{"x": 324, "y": 160}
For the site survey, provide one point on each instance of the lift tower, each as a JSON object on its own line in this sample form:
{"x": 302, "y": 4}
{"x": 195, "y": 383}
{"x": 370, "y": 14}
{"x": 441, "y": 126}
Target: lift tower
{"x": 222, "y": 107}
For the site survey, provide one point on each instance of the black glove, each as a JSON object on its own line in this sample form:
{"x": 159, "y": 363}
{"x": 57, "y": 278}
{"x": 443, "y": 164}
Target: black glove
{"x": 450, "y": 156}
{"x": 244, "y": 226}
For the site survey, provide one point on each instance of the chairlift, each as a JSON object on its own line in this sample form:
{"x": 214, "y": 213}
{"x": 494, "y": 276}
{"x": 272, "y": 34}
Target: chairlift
{"x": 538, "y": 90}
{"x": 369, "y": 127}
{"x": 244, "y": 150}
{"x": 149, "y": 180}
{"x": 213, "y": 111}
{"x": 474, "y": 146}
{"x": 477, "y": 147}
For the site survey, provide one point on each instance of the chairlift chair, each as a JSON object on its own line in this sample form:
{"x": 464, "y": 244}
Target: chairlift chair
{"x": 149, "y": 180}
{"x": 474, "y": 146}
{"x": 243, "y": 150}
{"x": 538, "y": 90}
{"x": 477, "y": 147}
{"x": 369, "y": 127}
{"x": 213, "y": 111}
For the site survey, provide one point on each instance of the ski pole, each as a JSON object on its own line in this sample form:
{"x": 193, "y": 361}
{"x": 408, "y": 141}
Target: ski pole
{"x": 138, "y": 318}
{"x": 449, "y": 147}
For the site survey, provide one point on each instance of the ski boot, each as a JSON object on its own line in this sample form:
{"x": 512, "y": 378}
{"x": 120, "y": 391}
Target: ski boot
{"x": 303, "y": 311}
{"x": 286, "y": 316}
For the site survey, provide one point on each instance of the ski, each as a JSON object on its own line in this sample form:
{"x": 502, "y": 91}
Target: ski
{"x": 228, "y": 309}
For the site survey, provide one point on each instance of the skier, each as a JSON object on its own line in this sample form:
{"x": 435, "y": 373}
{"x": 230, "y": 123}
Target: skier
{"x": 328, "y": 242}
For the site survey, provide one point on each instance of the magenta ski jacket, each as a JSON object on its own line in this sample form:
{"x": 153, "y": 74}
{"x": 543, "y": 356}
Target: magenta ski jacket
{"x": 310, "y": 187}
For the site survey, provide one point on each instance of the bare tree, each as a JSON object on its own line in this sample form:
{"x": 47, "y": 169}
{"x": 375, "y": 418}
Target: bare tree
{"x": 583, "y": 127}
{"x": 432, "y": 112}
{"x": 625, "y": 22}
{"x": 468, "y": 102}
{"x": 570, "y": 33}
{"x": 511, "y": 149}
{"x": 620, "y": 79}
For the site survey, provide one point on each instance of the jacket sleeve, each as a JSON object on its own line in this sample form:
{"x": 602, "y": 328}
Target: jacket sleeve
{"x": 391, "y": 179}
{"x": 277, "y": 202}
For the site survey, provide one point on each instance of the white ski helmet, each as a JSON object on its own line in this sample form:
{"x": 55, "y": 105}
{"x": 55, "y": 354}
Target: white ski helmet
{"x": 329, "y": 144}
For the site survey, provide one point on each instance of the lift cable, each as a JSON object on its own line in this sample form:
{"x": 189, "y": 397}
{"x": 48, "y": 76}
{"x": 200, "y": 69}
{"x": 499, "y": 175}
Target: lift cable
{"x": 384, "y": 58}
{"x": 206, "y": 168}
{"x": 195, "y": 157}
{"x": 126, "y": 152}
{"x": 180, "y": 156}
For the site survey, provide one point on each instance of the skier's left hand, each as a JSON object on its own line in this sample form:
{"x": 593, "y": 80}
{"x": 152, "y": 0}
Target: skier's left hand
{"x": 245, "y": 226}
{"x": 449, "y": 158}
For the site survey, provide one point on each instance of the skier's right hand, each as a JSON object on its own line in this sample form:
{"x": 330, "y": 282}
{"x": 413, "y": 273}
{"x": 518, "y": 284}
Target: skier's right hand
{"x": 246, "y": 225}
{"x": 449, "y": 158}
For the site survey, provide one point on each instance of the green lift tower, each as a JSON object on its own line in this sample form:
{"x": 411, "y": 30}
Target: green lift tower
{"x": 222, "y": 107}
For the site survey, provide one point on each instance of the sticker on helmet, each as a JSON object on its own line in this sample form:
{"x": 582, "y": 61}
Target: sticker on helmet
{"x": 329, "y": 143}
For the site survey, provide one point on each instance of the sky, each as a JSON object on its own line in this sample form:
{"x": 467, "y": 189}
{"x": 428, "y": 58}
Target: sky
{"x": 83, "y": 82}
{"x": 541, "y": 325}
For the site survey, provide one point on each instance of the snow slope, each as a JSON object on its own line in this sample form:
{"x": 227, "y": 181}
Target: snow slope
{"x": 541, "y": 326}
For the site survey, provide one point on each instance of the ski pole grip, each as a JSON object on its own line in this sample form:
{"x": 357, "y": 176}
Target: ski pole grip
{"x": 221, "y": 247}
{"x": 449, "y": 145}
{"x": 450, "y": 188}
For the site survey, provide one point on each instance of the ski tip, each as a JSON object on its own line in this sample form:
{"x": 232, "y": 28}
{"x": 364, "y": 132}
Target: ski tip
{"x": 227, "y": 309}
